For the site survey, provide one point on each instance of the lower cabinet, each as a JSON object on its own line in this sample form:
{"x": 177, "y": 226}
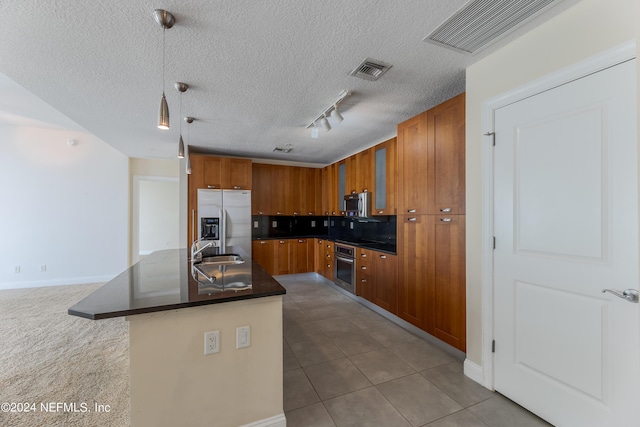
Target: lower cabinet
{"x": 264, "y": 253}
{"x": 385, "y": 288}
{"x": 377, "y": 278}
{"x": 431, "y": 293}
{"x": 284, "y": 256}
{"x": 364, "y": 274}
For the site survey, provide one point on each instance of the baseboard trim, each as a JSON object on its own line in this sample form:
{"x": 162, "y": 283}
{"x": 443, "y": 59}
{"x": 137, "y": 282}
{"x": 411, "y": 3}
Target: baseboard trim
{"x": 56, "y": 282}
{"x": 473, "y": 371}
{"x": 276, "y": 421}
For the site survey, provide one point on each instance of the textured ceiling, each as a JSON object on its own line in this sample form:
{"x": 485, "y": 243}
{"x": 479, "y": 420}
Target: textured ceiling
{"x": 259, "y": 71}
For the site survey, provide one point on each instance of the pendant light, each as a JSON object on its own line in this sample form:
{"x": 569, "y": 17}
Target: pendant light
{"x": 182, "y": 88}
{"x": 165, "y": 20}
{"x": 189, "y": 120}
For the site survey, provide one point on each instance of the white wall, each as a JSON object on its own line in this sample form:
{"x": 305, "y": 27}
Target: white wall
{"x": 586, "y": 29}
{"x": 61, "y": 206}
{"x": 157, "y": 215}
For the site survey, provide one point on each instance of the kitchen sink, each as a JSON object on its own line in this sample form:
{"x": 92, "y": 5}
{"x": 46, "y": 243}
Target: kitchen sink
{"x": 225, "y": 259}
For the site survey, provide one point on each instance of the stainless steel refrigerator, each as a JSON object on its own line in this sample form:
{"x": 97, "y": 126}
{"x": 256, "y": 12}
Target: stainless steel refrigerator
{"x": 224, "y": 216}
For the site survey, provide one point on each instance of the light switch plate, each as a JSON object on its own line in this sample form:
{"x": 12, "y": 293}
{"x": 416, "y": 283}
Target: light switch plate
{"x": 243, "y": 337}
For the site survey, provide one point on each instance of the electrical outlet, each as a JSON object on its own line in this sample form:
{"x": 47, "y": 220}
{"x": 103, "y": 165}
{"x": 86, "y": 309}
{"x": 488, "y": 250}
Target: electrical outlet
{"x": 17, "y": 269}
{"x": 255, "y": 224}
{"x": 43, "y": 268}
{"x": 351, "y": 225}
{"x": 212, "y": 342}
{"x": 243, "y": 337}
{"x": 313, "y": 224}
{"x": 274, "y": 224}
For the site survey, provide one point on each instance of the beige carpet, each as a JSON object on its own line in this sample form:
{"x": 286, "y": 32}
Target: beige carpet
{"x": 49, "y": 357}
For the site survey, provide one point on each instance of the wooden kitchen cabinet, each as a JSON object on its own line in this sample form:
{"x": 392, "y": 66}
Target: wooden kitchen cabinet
{"x": 284, "y": 256}
{"x": 327, "y": 266}
{"x": 446, "y": 153}
{"x": 264, "y": 253}
{"x": 261, "y": 193}
{"x": 413, "y": 163}
{"x": 431, "y": 160}
{"x": 282, "y": 203}
{"x": 302, "y": 251}
{"x": 205, "y": 173}
{"x": 431, "y": 291}
{"x": 385, "y": 284}
{"x": 364, "y": 170}
{"x": 302, "y": 190}
{"x": 365, "y": 274}
{"x": 235, "y": 173}
{"x": 385, "y": 174}
{"x": 330, "y": 205}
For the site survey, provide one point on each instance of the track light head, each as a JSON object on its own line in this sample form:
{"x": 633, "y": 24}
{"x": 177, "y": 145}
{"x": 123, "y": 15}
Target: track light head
{"x": 314, "y": 132}
{"x": 336, "y": 116}
{"x": 324, "y": 124}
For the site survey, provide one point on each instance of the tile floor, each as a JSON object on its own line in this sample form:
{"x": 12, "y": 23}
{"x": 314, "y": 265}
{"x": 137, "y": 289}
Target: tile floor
{"x": 345, "y": 365}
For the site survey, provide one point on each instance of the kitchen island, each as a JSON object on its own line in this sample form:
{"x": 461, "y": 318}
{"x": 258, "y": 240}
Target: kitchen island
{"x": 172, "y": 381}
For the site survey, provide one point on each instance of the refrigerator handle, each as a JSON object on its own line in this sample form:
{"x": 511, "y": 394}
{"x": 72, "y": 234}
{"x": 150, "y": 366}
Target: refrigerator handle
{"x": 223, "y": 230}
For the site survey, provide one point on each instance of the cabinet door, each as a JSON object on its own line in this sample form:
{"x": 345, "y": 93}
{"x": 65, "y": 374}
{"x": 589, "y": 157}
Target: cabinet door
{"x": 282, "y": 203}
{"x": 328, "y": 260}
{"x": 318, "y": 208}
{"x": 413, "y": 165}
{"x": 300, "y": 251}
{"x": 329, "y": 190}
{"x": 386, "y": 178}
{"x": 414, "y": 240}
{"x": 365, "y": 179}
{"x": 351, "y": 181}
{"x": 235, "y": 173}
{"x": 297, "y": 180}
{"x": 264, "y": 252}
{"x": 283, "y": 256}
{"x": 446, "y": 148}
{"x": 385, "y": 292}
{"x": 342, "y": 185}
{"x": 261, "y": 191}
{"x": 365, "y": 275}
{"x": 318, "y": 255}
{"x": 447, "y": 290}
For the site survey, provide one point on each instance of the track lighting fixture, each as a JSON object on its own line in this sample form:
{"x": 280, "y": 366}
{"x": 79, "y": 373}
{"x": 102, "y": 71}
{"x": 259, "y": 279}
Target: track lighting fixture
{"x": 165, "y": 20}
{"x": 332, "y": 112}
{"x": 182, "y": 88}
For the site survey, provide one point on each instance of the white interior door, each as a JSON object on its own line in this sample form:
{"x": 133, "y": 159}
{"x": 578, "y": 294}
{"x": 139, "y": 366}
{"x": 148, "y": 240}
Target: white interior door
{"x": 566, "y": 227}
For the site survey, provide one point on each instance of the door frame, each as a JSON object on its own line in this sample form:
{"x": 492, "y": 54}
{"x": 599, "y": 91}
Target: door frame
{"x": 599, "y": 62}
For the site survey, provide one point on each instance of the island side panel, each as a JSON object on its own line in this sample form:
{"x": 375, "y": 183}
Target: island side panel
{"x": 174, "y": 383}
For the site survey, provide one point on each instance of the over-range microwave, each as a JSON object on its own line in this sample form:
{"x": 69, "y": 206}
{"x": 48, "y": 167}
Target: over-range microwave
{"x": 357, "y": 205}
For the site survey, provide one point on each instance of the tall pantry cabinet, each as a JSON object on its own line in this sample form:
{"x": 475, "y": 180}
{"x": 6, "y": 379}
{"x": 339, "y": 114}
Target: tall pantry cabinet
{"x": 431, "y": 221}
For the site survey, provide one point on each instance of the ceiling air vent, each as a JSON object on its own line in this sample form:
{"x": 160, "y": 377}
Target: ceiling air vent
{"x": 286, "y": 149}
{"x": 370, "y": 69}
{"x": 482, "y": 22}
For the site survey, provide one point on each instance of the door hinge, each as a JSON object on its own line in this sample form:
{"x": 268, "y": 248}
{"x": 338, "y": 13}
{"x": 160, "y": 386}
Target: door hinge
{"x": 494, "y": 242}
{"x": 493, "y": 137}
{"x": 493, "y": 346}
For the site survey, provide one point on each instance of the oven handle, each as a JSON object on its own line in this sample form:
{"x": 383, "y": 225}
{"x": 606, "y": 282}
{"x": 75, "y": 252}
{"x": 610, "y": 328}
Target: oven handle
{"x": 347, "y": 260}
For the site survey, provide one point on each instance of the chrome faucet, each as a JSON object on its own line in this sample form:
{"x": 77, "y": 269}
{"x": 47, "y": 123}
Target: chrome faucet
{"x": 198, "y": 251}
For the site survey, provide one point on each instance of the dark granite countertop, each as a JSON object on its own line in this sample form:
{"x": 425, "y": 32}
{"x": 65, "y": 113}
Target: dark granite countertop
{"x": 388, "y": 248}
{"x": 163, "y": 281}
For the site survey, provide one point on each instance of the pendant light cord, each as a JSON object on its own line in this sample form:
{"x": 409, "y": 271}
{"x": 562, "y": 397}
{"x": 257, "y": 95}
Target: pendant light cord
{"x": 163, "y": 54}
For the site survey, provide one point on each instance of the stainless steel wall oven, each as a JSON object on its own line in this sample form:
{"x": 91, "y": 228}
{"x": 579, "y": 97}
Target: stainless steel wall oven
{"x": 344, "y": 274}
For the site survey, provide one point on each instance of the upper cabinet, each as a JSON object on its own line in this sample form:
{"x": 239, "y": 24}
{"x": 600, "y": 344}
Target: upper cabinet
{"x": 236, "y": 173}
{"x": 385, "y": 174}
{"x": 205, "y": 171}
{"x": 219, "y": 172}
{"x": 445, "y": 139}
{"x": 286, "y": 190}
{"x": 431, "y": 160}
{"x": 329, "y": 189}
